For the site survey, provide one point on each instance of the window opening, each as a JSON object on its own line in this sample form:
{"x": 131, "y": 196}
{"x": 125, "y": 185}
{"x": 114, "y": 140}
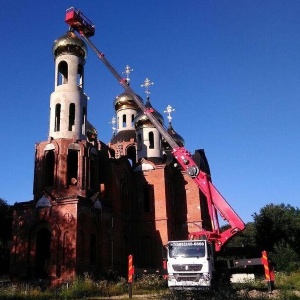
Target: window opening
{"x": 83, "y": 119}
{"x": 57, "y": 117}
{"x": 131, "y": 154}
{"x": 71, "y": 116}
{"x": 49, "y": 168}
{"x": 42, "y": 253}
{"x": 62, "y": 73}
{"x": 132, "y": 120}
{"x": 124, "y": 121}
{"x": 72, "y": 167}
{"x": 80, "y": 76}
{"x": 151, "y": 140}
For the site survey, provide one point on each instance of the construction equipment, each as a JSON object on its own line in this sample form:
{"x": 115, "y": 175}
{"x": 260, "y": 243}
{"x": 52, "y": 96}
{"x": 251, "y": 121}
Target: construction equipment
{"x": 216, "y": 202}
{"x": 209, "y": 241}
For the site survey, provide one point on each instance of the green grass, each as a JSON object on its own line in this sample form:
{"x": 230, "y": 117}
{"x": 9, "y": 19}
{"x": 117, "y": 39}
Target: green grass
{"x": 287, "y": 287}
{"x": 81, "y": 288}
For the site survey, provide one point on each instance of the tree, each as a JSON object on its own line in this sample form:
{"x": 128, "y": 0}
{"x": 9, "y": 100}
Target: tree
{"x": 244, "y": 238}
{"x": 278, "y": 231}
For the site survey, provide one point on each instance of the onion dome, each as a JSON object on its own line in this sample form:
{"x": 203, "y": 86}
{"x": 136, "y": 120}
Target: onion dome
{"x": 91, "y": 132}
{"x": 124, "y": 101}
{"x": 141, "y": 120}
{"x": 91, "y": 129}
{"x": 177, "y": 138}
{"x": 69, "y": 43}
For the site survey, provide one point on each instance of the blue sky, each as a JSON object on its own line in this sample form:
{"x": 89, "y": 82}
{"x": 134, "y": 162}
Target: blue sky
{"x": 231, "y": 69}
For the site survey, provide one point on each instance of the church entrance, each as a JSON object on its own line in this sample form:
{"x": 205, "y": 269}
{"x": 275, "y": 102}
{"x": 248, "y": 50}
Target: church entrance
{"x": 42, "y": 253}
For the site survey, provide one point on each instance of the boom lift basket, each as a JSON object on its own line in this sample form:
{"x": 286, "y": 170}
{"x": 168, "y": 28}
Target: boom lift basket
{"x": 78, "y": 21}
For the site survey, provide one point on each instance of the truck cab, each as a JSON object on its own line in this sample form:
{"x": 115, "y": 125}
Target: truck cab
{"x": 190, "y": 264}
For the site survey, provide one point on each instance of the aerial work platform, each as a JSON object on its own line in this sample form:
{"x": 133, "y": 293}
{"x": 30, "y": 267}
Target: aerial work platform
{"x": 79, "y": 22}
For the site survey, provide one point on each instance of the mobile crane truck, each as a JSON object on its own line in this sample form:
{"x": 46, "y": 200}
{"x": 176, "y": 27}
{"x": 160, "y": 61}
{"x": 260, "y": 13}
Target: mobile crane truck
{"x": 191, "y": 263}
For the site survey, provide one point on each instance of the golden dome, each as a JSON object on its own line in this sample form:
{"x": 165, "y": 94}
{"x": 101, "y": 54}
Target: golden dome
{"x": 69, "y": 43}
{"x": 141, "y": 120}
{"x": 125, "y": 100}
{"x": 177, "y": 138}
{"x": 90, "y": 128}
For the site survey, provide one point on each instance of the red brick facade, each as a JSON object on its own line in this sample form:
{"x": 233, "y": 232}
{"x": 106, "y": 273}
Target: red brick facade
{"x": 84, "y": 230}
{"x": 92, "y": 206}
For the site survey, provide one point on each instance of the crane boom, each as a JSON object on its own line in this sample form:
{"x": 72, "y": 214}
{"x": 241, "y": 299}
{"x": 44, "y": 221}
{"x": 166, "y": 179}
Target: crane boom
{"x": 215, "y": 201}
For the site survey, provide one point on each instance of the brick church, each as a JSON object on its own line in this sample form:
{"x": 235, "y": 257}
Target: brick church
{"x": 94, "y": 203}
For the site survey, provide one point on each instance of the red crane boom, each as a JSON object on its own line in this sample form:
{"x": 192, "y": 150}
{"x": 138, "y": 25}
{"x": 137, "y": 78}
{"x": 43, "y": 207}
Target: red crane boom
{"x": 216, "y": 202}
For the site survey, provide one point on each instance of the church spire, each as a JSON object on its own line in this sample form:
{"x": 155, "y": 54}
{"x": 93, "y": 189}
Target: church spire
{"x": 68, "y": 103}
{"x": 168, "y": 111}
{"x": 178, "y": 138}
{"x": 147, "y": 83}
{"x": 127, "y": 71}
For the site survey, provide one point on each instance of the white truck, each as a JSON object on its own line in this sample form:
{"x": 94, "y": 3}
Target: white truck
{"x": 190, "y": 264}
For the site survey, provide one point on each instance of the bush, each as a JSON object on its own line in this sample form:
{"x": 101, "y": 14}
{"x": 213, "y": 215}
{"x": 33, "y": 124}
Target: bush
{"x": 285, "y": 258}
{"x": 23, "y": 291}
{"x": 150, "y": 282}
{"x": 81, "y": 288}
{"x": 286, "y": 281}
{"x": 86, "y": 287}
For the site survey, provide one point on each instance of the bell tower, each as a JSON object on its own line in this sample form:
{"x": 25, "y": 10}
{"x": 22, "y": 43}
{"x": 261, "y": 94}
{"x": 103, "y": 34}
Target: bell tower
{"x": 60, "y": 232}
{"x": 66, "y": 165}
{"x": 68, "y": 104}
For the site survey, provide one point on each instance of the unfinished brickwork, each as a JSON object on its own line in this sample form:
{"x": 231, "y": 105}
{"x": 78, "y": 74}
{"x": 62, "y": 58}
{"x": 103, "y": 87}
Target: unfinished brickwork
{"x": 96, "y": 203}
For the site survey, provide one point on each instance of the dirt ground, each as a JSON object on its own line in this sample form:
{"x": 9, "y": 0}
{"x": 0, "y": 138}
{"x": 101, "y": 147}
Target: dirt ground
{"x": 253, "y": 294}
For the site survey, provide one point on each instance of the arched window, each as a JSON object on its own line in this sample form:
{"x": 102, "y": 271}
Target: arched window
{"x": 71, "y": 116}
{"x": 62, "y": 73}
{"x": 57, "y": 117}
{"x": 131, "y": 154}
{"x": 132, "y": 119}
{"x": 72, "y": 167}
{"x": 49, "y": 160}
{"x": 124, "y": 121}
{"x": 151, "y": 140}
{"x": 80, "y": 76}
{"x": 83, "y": 121}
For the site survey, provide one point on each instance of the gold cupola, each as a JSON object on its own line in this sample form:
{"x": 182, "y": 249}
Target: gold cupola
{"x": 69, "y": 43}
